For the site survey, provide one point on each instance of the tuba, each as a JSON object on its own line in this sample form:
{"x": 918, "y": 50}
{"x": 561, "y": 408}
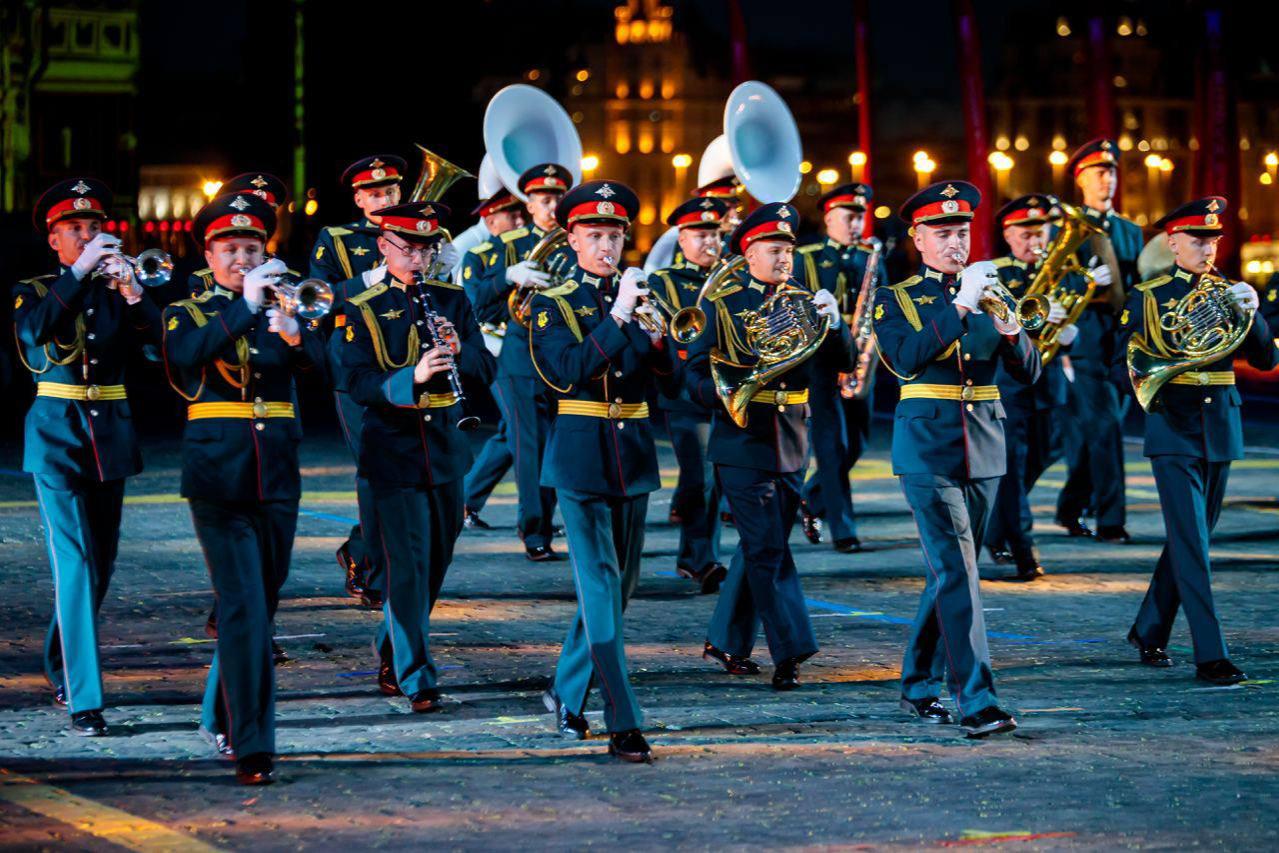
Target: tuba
{"x": 524, "y": 126}
{"x": 763, "y": 142}
{"x": 1059, "y": 260}
{"x": 519, "y": 301}
{"x": 437, "y": 176}
{"x": 1204, "y": 326}
{"x": 784, "y": 333}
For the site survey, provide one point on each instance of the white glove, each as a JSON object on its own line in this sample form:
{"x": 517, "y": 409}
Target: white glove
{"x": 1006, "y": 327}
{"x": 92, "y": 254}
{"x": 824, "y": 302}
{"x": 1244, "y": 295}
{"x": 646, "y": 309}
{"x": 448, "y": 256}
{"x": 285, "y": 325}
{"x": 972, "y": 283}
{"x": 261, "y": 278}
{"x": 524, "y": 274}
{"x": 633, "y": 286}
{"x": 1056, "y": 312}
{"x": 1100, "y": 272}
{"x": 1067, "y": 336}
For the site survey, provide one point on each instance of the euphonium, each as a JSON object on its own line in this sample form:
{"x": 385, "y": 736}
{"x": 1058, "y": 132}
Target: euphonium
{"x": 437, "y": 176}
{"x": 519, "y": 301}
{"x": 1059, "y": 260}
{"x": 1204, "y": 326}
{"x": 783, "y": 334}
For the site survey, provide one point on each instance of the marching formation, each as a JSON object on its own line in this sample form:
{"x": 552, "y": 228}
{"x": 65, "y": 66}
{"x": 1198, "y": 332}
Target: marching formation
{"x": 756, "y": 356}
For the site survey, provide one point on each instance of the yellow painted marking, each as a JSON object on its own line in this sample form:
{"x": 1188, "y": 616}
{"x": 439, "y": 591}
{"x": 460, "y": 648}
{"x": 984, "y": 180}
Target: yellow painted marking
{"x": 110, "y": 824}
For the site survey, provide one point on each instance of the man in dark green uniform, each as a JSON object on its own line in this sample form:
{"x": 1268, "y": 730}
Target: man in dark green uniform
{"x": 1193, "y": 432}
{"x": 523, "y": 399}
{"x": 695, "y": 503}
{"x": 948, "y": 447}
{"x": 1031, "y": 439}
{"x": 342, "y": 255}
{"x": 233, "y": 356}
{"x": 758, "y": 464}
{"x": 840, "y": 426}
{"x": 589, "y": 348}
{"x": 1094, "y": 423}
{"x": 75, "y": 329}
{"x": 501, "y": 213}
{"x": 262, "y": 184}
{"x": 410, "y": 348}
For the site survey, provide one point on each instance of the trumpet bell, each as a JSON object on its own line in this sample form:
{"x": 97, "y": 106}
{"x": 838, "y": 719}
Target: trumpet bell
{"x": 524, "y": 126}
{"x": 153, "y": 268}
{"x": 688, "y": 324}
{"x": 1032, "y": 312}
{"x": 310, "y": 299}
{"x": 437, "y": 176}
{"x": 763, "y": 142}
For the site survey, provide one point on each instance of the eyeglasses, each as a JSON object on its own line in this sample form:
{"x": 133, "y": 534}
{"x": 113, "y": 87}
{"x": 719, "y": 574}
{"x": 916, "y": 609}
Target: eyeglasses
{"x": 422, "y": 252}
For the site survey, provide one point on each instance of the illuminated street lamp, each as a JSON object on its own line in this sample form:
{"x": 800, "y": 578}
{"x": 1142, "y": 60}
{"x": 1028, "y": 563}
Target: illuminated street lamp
{"x": 211, "y": 188}
{"x": 590, "y": 163}
{"x": 924, "y": 168}
{"x": 1002, "y": 164}
{"x": 826, "y": 177}
{"x": 858, "y": 161}
{"x": 681, "y": 161}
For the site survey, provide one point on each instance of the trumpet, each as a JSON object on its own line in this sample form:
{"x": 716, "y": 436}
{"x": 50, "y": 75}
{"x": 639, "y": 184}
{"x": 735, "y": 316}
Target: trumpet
{"x": 152, "y": 268}
{"x": 1030, "y": 311}
{"x": 310, "y": 298}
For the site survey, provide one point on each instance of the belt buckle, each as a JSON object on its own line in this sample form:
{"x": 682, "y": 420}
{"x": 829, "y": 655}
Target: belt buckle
{"x": 1203, "y": 378}
{"x": 779, "y": 397}
{"x": 92, "y": 393}
{"x": 614, "y": 410}
{"x": 259, "y": 410}
{"x": 967, "y": 393}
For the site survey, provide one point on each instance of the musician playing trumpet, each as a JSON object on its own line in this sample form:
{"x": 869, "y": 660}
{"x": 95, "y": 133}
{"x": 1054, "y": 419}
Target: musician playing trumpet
{"x": 759, "y": 463}
{"x": 1193, "y": 428}
{"x": 934, "y": 331}
{"x": 233, "y": 355}
{"x": 410, "y": 343}
{"x": 75, "y": 329}
{"x": 1031, "y": 429}
{"x": 695, "y": 502}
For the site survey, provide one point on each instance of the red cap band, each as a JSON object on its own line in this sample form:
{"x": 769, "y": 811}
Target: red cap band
{"x": 857, "y": 201}
{"x": 411, "y": 225}
{"x": 1096, "y": 158}
{"x": 546, "y": 183}
{"x": 599, "y": 210}
{"x": 1207, "y": 222}
{"x": 375, "y": 176}
{"x": 1017, "y": 217}
{"x": 72, "y": 207}
{"x": 235, "y": 222}
{"x": 775, "y": 228}
{"x": 499, "y": 204}
{"x": 698, "y": 217}
{"x": 956, "y": 207}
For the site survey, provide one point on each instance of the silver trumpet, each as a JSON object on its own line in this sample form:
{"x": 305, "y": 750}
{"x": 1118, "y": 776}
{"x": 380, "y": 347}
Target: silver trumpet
{"x": 152, "y": 268}
{"x": 310, "y": 298}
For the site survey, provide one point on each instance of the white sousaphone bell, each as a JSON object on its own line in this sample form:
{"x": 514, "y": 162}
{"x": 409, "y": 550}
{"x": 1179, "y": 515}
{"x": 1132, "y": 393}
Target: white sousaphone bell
{"x": 524, "y": 126}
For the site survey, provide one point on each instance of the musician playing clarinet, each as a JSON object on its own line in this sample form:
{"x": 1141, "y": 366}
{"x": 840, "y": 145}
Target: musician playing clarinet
{"x": 411, "y": 346}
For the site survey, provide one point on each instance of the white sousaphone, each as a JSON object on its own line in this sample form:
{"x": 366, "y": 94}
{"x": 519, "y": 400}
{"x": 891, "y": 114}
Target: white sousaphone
{"x": 524, "y": 126}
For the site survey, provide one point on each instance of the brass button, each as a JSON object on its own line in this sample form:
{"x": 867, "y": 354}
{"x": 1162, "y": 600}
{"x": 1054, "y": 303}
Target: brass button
{"x": 93, "y": 361}
{"x": 259, "y": 426}
{"x": 617, "y": 399}
{"x": 968, "y": 356}
{"x": 259, "y": 411}
{"x": 621, "y": 425}
{"x": 969, "y": 407}
{"x": 781, "y": 385}
{"x": 617, "y": 373}
{"x": 253, "y": 350}
{"x": 615, "y": 410}
{"x": 257, "y": 375}
{"x": 968, "y": 382}
{"x": 91, "y": 336}
{"x": 423, "y": 400}
{"x": 93, "y": 413}
{"x": 1207, "y": 399}
{"x": 93, "y": 392}
{"x": 426, "y": 418}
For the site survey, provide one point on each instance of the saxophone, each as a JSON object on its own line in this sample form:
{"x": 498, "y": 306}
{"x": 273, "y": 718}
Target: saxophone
{"x": 856, "y": 384}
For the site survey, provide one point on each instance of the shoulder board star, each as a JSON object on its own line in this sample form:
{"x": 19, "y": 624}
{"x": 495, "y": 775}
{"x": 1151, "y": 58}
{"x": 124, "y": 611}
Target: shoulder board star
{"x": 950, "y": 191}
{"x": 606, "y": 191}
{"x": 826, "y": 264}
{"x": 239, "y": 203}
{"x": 925, "y": 300}
{"x": 692, "y": 285}
{"x": 584, "y": 311}
{"x": 359, "y": 251}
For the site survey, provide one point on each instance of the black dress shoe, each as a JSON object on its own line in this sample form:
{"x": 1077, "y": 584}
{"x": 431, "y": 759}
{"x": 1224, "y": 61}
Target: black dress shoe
{"x": 712, "y": 577}
{"x": 1028, "y": 569}
{"x": 1220, "y": 672}
{"x": 471, "y": 520}
{"x": 218, "y": 741}
{"x": 255, "y": 769}
{"x": 386, "y": 682}
{"x": 987, "y": 722}
{"x": 851, "y": 545}
{"x": 733, "y": 664}
{"x": 630, "y": 746}
{"x": 60, "y": 696}
{"x": 350, "y": 570}
{"x": 786, "y": 674}
{"x": 1075, "y": 526}
{"x": 1150, "y": 655}
{"x": 371, "y": 599}
{"x": 567, "y": 723}
{"x": 1114, "y": 533}
{"x": 1001, "y": 556}
{"x": 278, "y": 655}
{"x": 88, "y": 724}
{"x": 927, "y": 710}
{"x": 425, "y": 701}
{"x": 812, "y": 526}
{"x": 211, "y": 624}
{"x": 541, "y": 554}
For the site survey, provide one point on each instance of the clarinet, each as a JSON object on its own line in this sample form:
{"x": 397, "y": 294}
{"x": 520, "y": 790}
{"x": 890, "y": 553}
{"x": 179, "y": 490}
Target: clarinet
{"x": 433, "y": 318}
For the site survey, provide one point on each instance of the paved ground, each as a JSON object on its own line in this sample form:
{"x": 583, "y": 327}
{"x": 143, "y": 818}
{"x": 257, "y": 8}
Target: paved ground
{"x": 1109, "y": 754}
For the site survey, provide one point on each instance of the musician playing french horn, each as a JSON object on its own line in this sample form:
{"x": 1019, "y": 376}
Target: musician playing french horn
{"x": 1178, "y": 334}
{"x": 943, "y": 335}
{"x": 1031, "y": 429}
{"x": 695, "y": 502}
{"x": 232, "y": 354}
{"x": 842, "y": 264}
{"x": 410, "y": 344}
{"x": 752, "y": 368}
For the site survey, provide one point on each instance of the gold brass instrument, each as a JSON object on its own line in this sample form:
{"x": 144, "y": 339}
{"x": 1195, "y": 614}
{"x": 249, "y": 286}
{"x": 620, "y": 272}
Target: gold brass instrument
{"x": 855, "y": 385}
{"x": 437, "y": 176}
{"x": 784, "y": 333}
{"x": 310, "y": 298}
{"x": 152, "y": 268}
{"x": 687, "y": 324}
{"x": 1059, "y": 260}
{"x": 1031, "y": 311}
{"x": 519, "y": 302}
{"x": 684, "y": 325}
{"x": 1204, "y": 326}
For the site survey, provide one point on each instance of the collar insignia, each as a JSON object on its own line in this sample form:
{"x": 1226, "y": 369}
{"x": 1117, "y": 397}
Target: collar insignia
{"x": 393, "y": 314}
{"x": 584, "y": 311}
{"x": 925, "y": 300}
{"x": 359, "y": 251}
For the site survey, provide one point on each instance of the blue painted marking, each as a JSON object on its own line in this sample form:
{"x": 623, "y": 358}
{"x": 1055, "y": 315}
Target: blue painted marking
{"x": 328, "y": 516}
